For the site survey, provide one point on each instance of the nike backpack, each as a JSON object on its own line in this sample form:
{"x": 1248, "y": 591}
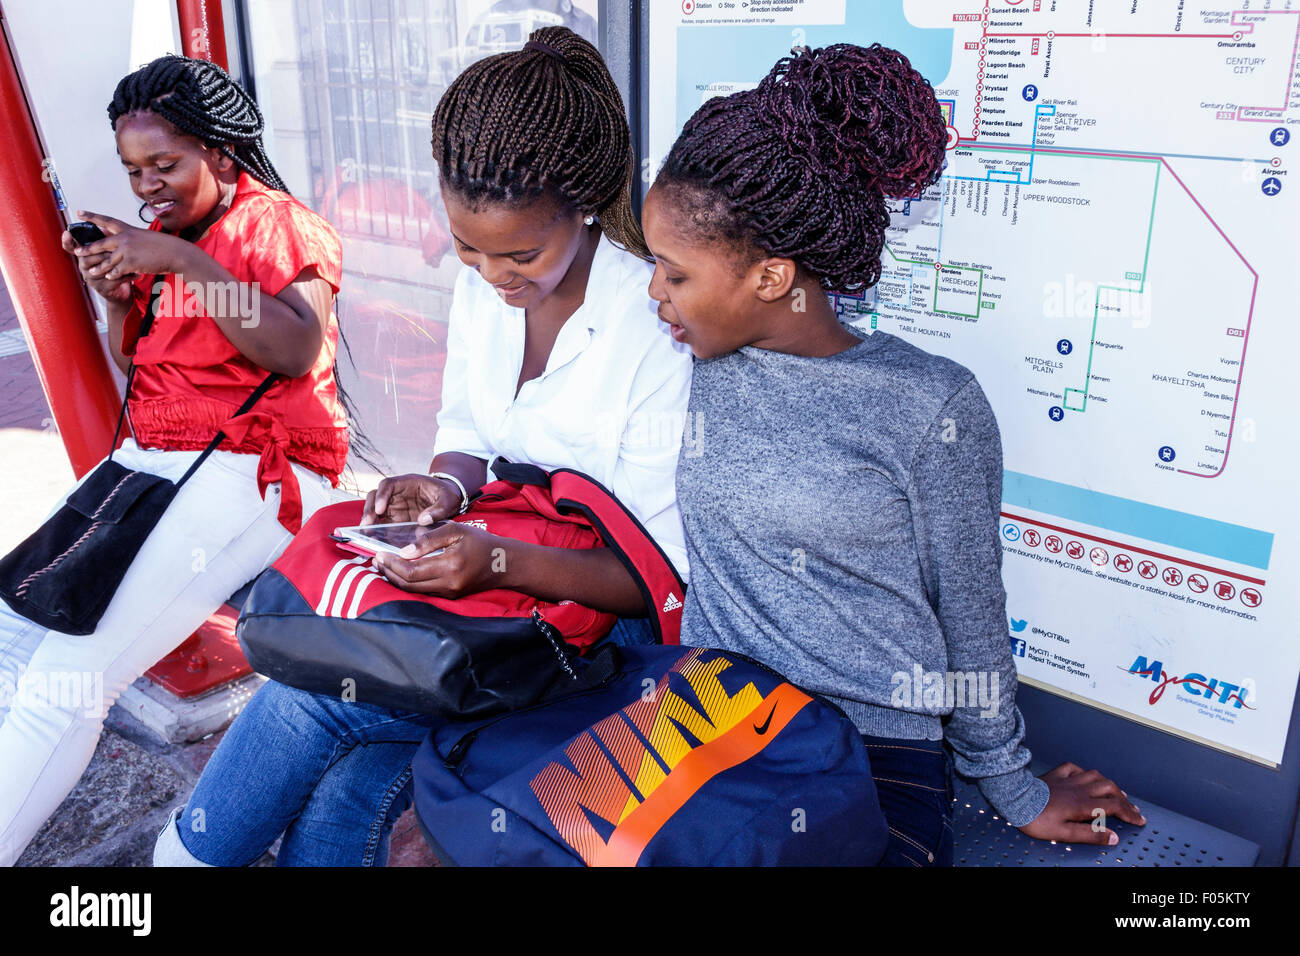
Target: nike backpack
{"x": 324, "y": 620}
{"x": 663, "y": 756}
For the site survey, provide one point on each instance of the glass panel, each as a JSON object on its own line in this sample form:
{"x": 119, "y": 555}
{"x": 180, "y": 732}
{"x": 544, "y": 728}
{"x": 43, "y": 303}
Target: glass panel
{"x": 348, "y": 88}
{"x": 24, "y": 403}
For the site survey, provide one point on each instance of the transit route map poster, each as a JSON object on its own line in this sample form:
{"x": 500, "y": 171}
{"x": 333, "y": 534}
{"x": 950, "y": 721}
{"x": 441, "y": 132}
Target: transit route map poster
{"x": 1112, "y": 250}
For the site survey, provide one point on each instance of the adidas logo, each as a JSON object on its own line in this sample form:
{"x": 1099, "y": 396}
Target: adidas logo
{"x": 672, "y": 603}
{"x": 476, "y": 523}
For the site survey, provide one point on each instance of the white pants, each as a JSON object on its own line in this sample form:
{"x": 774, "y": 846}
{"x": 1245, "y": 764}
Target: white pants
{"x": 56, "y": 689}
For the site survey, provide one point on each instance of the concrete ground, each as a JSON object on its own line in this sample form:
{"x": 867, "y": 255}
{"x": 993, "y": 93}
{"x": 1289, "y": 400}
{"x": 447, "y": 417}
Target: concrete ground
{"x": 114, "y": 814}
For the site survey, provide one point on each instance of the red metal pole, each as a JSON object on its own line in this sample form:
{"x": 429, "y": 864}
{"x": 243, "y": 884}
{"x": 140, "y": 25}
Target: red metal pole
{"x": 51, "y": 301}
{"x": 203, "y": 33}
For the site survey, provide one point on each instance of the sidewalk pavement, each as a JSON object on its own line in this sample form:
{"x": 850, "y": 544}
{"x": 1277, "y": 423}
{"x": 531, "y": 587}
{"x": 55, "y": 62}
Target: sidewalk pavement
{"x": 113, "y": 816}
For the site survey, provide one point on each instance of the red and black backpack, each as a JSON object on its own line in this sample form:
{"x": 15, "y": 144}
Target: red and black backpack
{"x": 324, "y": 620}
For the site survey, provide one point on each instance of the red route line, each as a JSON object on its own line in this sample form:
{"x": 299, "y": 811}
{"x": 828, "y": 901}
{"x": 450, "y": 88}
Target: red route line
{"x": 1130, "y": 547}
{"x": 1238, "y": 34}
{"x": 1250, "y": 313}
{"x": 1099, "y": 33}
{"x": 979, "y": 76}
{"x": 1286, "y": 98}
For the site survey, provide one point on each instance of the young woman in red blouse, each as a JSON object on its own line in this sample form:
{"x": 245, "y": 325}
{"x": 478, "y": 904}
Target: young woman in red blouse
{"x": 245, "y": 278}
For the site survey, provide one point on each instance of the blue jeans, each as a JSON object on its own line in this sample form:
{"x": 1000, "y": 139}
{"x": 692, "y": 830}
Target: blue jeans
{"x": 914, "y": 783}
{"x": 286, "y": 763}
{"x": 332, "y": 776}
{"x": 629, "y": 631}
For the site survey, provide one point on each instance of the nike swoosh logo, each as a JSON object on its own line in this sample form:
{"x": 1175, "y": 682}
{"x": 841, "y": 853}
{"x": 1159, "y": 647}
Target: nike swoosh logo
{"x": 767, "y": 723}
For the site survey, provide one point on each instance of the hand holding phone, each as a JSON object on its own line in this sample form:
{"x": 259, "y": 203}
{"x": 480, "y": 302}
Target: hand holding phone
{"x": 84, "y": 233}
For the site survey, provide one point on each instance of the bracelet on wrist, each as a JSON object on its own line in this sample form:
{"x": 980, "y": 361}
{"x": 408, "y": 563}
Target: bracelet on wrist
{"x": 464, "y": 495}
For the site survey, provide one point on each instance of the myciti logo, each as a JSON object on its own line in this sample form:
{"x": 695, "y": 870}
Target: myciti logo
{"x": 1197, "y": 685}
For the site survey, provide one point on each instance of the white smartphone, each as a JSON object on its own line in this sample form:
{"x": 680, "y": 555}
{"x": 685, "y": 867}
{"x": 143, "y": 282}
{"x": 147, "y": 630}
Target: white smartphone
{"x": 373, "y": 539}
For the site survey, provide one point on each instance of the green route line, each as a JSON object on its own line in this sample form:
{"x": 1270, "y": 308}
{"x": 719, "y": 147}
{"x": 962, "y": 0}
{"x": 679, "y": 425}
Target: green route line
{"x": 938, "y": 266}
{"x": 915, "y": 262}
{"x": 910, "y": 262}
{"x": 1096, "y": 307}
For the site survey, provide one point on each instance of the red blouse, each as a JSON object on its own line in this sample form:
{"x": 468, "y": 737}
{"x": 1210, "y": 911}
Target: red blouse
{"x": 190, "y": 380}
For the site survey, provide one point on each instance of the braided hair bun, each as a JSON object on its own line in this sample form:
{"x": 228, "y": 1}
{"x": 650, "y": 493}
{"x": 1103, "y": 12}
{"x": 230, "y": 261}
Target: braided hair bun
{"x": 547, "y": 119}
{"x": 861, "y": 116}
{"x": 200, "y": 99}
{"x": 800, "y": 166}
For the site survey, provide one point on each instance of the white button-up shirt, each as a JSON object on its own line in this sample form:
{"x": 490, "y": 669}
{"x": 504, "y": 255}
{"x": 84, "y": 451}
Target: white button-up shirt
{"x": 611, "y": 402}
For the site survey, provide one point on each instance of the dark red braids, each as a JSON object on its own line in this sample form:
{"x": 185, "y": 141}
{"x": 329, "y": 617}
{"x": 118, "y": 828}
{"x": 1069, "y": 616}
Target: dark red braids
{"x": 800, "y": 167}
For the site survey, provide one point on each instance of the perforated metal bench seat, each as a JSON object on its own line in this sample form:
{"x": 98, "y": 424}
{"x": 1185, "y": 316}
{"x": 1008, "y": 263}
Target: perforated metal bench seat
{"x": 1168, "y": 839}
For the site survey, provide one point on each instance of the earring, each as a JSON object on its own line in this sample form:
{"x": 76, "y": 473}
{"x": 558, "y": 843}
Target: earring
{"x": 590, "y": 220}
{"x": 140, "y": 213}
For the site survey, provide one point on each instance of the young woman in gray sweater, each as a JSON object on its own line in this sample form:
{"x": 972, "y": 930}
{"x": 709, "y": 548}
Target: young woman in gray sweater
{"x": 841, "y": 501}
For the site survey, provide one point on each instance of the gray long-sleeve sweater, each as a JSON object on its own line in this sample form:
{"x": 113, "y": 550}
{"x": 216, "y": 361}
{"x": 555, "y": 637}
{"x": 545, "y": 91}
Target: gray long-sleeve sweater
{"x": 841, "y": 519}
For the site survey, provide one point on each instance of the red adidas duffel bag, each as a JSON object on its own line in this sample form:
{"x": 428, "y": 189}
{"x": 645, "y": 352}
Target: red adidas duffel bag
{"x": 324, "y": 620}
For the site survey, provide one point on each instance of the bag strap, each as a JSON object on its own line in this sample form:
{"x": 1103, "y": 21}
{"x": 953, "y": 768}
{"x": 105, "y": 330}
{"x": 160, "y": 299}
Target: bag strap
{"x": 271, "y": 379}
{"x": 520, "y": 473}
{"x": 661, "y": 586}
{"x": 145, "y": 324}
{"x": 602, "y": 666}
{"x": 582, "y": 674}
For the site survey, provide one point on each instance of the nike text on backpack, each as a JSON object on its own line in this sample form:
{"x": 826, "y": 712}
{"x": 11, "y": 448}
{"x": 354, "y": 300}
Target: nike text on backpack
{"x": 667, "y": 756}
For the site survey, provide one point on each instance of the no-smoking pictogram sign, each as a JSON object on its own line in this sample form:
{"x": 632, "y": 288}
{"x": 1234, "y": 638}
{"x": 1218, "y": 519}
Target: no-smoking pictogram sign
{"x": 1123, "y": 563}
{"x": 1099, "y": 557}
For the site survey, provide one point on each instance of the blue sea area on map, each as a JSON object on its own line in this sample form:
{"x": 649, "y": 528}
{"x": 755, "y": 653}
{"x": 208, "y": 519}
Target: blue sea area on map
{"x": 728, "y": 54}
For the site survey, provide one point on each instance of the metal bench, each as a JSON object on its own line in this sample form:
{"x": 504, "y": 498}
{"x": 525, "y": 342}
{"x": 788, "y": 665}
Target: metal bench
{"x": 981, "y": 838}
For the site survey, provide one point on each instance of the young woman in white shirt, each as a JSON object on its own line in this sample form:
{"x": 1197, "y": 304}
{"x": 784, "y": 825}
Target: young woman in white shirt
{"x": 554, "y": 357}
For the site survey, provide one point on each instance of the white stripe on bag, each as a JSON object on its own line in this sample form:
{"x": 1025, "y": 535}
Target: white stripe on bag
{"x": 370, "y": 578}
{"x": 327, "y": 593}
{"x": 341, "y": 593}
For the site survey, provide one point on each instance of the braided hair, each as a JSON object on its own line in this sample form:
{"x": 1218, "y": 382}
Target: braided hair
{"x": 200, "y": 99}
{"x": 544, "y": 120}
{"x": 800, "y": 167}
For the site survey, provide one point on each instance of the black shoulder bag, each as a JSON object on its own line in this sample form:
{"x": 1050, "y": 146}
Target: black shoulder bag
{"x": 65, "y": 574}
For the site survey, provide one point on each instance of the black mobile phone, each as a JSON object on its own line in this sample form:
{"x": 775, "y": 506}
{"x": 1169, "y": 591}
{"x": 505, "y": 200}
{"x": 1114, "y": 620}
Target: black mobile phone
{"x": 84, "y": 233}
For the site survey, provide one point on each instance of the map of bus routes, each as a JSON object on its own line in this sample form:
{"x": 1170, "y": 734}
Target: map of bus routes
{"x": 1112, "y": 251}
